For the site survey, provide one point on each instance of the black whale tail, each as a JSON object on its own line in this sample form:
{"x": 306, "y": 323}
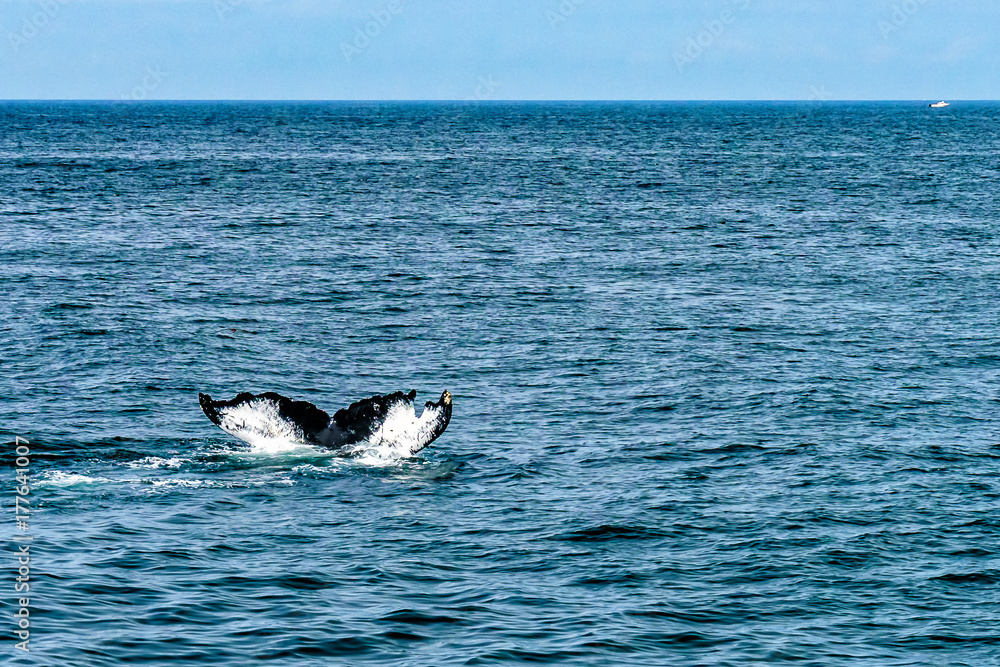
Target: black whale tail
{"x": 385, "y": 422}
{"x": 208, "y": 406}
{"x": 442, "y": 423}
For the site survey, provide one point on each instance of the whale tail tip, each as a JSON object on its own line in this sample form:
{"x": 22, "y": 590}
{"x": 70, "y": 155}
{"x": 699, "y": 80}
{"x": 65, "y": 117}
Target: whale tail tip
{"x": 206, "y": 406}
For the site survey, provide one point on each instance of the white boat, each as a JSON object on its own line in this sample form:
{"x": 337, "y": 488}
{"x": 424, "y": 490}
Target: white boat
{"x": 938, "y": 105}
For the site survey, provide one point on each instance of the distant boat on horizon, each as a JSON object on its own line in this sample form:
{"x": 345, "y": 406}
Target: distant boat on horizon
{"x": 938, "y": 105}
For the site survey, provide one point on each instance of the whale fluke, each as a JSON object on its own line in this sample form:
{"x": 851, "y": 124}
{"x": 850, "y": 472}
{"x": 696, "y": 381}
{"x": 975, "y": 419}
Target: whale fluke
{"x": 387, "y": 422}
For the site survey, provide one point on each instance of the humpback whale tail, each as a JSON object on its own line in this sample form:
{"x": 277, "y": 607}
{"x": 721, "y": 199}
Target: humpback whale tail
{"x": 386, "y": 422}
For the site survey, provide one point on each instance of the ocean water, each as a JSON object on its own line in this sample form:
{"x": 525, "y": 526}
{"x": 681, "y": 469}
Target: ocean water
{"x": 725, "y": 382}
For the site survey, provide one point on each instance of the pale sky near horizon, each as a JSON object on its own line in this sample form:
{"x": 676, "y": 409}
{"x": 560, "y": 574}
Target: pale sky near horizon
{"x": 500, "y": 49}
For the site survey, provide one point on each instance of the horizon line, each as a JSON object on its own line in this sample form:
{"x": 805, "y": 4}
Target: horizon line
{"x": 477, "y": 102}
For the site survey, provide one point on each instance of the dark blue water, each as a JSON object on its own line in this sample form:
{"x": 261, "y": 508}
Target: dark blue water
{"x": 725, "y": 382}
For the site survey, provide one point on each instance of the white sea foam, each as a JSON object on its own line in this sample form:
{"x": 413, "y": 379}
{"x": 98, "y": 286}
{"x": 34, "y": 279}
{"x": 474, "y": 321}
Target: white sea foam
{"x": 158, "y": 462}
{"x": 66, "y": 479}
{"x": 268, "y": 446}
{"x": 193, "y": 483}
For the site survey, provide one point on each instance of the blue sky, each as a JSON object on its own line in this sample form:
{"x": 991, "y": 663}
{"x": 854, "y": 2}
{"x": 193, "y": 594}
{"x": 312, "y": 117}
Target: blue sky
{"x": 500, "y": 49}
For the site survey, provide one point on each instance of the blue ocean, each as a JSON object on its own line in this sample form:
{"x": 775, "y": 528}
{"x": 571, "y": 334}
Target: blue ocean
{"x": 725, "y": 382}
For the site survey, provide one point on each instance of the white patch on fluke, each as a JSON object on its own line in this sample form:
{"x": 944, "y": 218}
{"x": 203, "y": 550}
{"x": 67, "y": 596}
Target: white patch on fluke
{"x": 259, "y": 423}
{"x": 401, "y": 434}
